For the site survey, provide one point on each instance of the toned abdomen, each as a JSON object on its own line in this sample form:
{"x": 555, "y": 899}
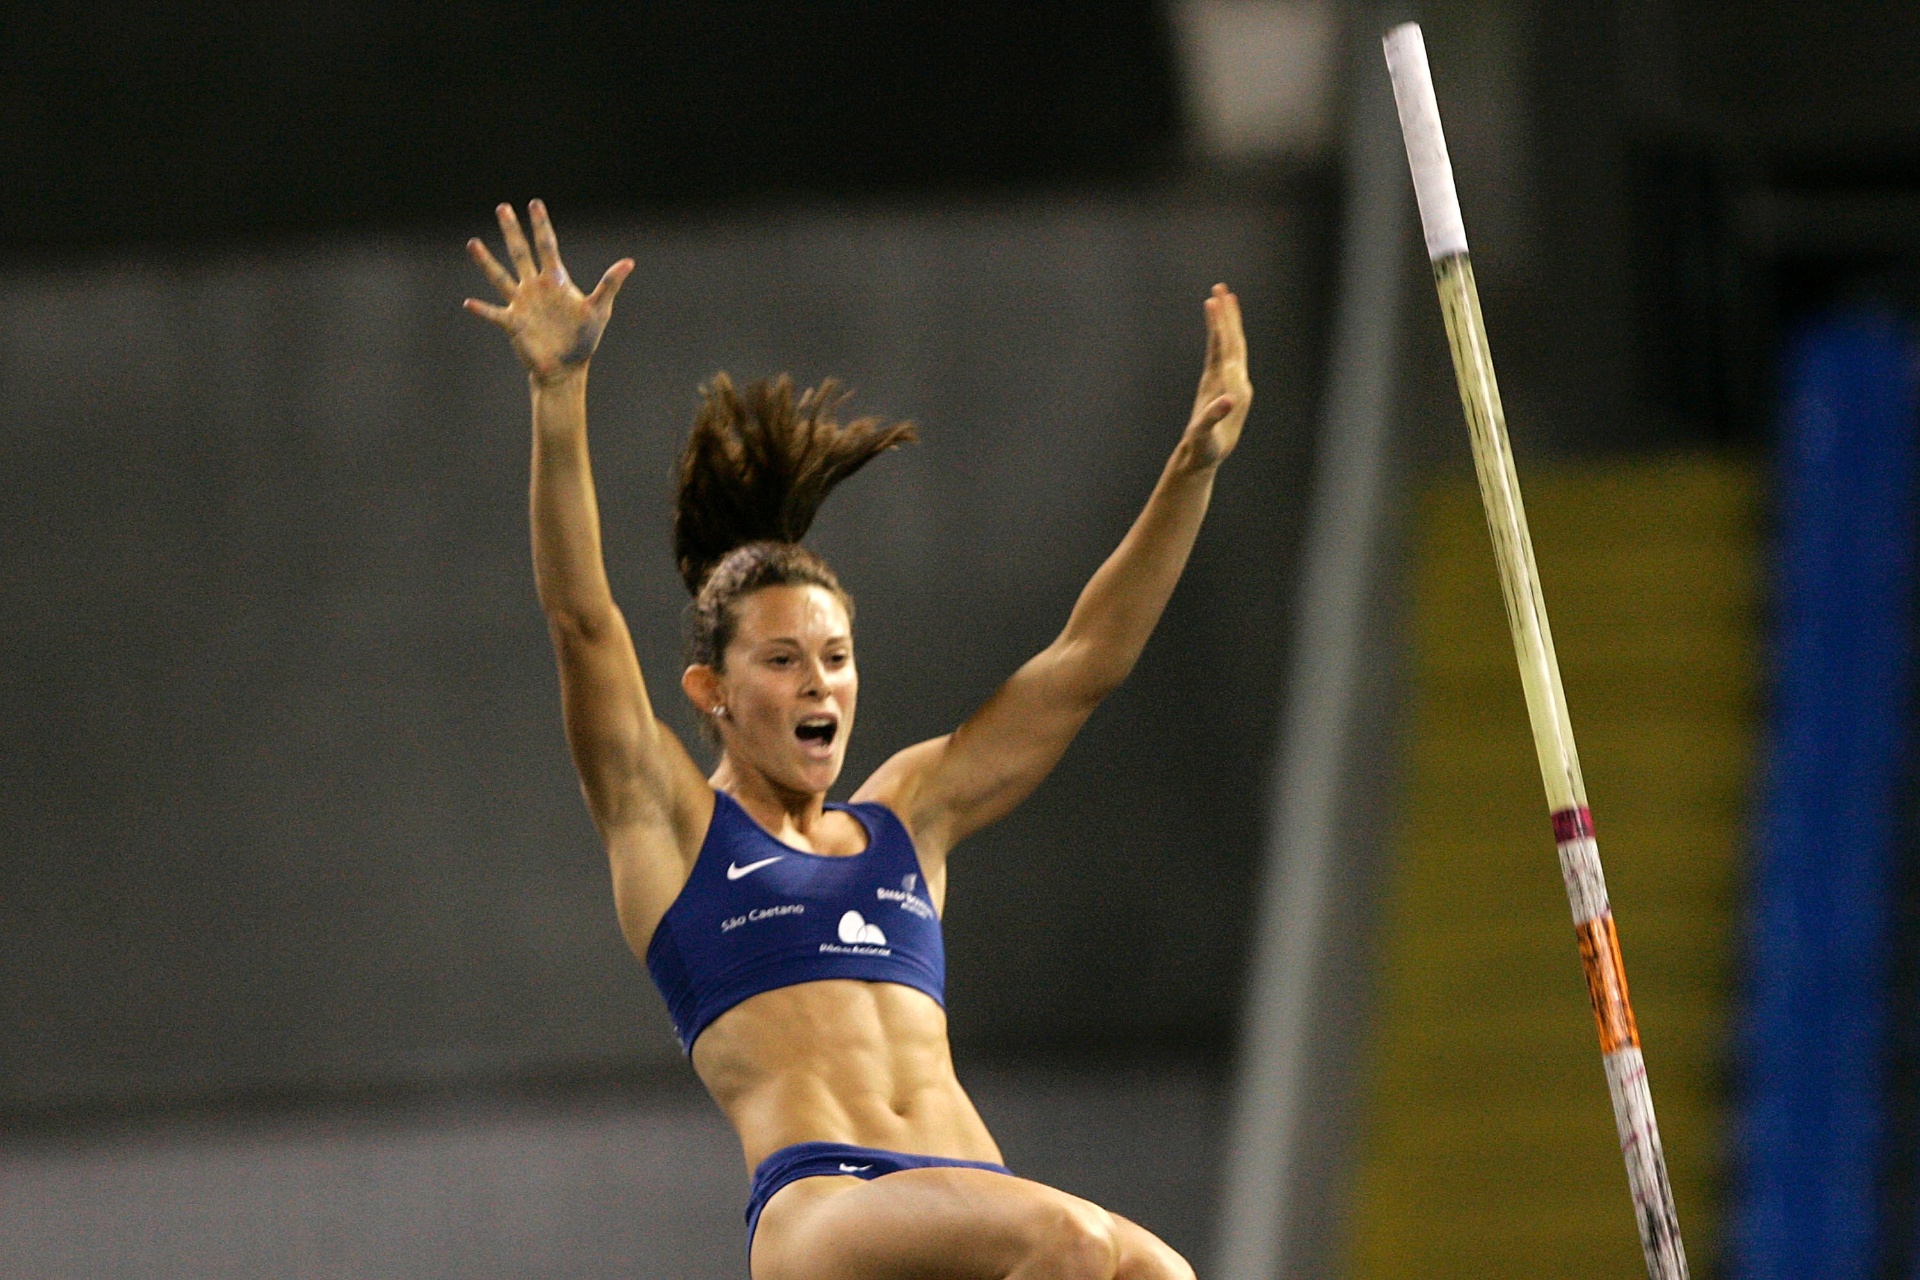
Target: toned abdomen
{"x": 864, "y": 1063}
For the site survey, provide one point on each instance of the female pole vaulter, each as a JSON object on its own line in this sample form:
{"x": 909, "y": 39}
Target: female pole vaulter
{"x": 797, "y": 940}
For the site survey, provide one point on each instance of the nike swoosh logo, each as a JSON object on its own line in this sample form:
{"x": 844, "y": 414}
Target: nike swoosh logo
{"x": 854, "y": 1168}
{"x": 734, "y": 872}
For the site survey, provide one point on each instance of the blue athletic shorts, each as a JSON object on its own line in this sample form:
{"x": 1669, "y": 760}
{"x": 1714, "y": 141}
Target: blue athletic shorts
{"x": 814, "y": 1159}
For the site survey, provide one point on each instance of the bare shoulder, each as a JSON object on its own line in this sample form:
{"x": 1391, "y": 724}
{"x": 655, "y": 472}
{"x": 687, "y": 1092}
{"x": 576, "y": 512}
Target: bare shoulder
{"x": 901, "y": 785}
{"x": 907, "y": 785}
{"x": 651, "y": 859}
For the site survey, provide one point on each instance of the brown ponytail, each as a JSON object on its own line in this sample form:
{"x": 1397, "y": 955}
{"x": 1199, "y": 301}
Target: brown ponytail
{"x": 752, "y": 476}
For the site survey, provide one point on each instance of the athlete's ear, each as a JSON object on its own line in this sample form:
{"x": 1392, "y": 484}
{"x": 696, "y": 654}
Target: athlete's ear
{"x": 701, "y": 684}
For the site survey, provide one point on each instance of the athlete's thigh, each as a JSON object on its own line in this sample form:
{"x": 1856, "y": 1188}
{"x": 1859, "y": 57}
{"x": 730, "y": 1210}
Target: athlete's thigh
{"x": 923, "y": 1224}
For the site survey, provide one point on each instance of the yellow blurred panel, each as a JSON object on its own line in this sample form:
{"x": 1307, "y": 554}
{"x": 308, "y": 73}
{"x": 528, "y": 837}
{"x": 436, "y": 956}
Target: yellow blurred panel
{"x": 1489, "y": 1147}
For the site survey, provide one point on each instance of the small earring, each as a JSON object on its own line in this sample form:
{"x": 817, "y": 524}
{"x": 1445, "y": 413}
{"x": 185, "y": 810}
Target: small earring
{"x": 719, "y": 712}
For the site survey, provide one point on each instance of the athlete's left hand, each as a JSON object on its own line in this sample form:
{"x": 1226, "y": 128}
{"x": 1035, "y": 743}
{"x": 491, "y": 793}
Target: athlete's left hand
{"x": 1220, "y": 407}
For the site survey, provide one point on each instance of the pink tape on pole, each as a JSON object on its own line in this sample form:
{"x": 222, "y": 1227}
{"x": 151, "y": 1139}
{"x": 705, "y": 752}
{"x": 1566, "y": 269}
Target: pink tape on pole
{"x": 1573, "y": 824}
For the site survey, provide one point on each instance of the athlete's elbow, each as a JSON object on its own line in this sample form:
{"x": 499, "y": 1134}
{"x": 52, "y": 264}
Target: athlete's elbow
{"x": 1089, "y": 673}
{"x": 1100, "y": 685}
{"x": 577, "y": 622}
{"x": 1098, "y": 660}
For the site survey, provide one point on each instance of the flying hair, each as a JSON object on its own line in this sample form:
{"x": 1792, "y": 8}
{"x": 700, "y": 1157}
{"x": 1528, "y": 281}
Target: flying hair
{"x": 758, "y": 465}
{"x": 753, "y": 474}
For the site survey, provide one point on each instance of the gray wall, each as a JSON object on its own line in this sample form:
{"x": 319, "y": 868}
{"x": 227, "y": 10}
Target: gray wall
{"x": 283, "y": 800}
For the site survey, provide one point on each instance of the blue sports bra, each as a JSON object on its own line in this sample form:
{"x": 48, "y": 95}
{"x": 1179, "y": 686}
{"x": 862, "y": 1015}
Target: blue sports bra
{"x": 758, "y": 914}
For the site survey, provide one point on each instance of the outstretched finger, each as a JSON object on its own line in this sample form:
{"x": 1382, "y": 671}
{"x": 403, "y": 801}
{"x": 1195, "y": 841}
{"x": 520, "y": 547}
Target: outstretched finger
{"x": 486, "y": 311}
{"x": 1236, "y": 332}
{"x": 516, "y": 243}
{"x": 544, "y": 240}
{"x": 1216, "y": 411}
{"x": 1214, "y": 321}
{"x": 609, "y": 287}
{"x": 496, "y": 273}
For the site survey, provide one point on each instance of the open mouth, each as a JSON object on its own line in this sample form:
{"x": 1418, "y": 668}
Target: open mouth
{"x": 820, "y": 729}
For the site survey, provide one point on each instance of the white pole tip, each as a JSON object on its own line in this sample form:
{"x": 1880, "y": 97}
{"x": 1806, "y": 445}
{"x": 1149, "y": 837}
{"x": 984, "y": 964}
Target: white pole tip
{"x": 1440, "y": 219}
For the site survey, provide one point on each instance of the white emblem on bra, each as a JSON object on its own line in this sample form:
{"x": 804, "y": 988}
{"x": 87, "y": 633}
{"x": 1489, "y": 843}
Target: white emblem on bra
{"x": 735, "y": 872}
{"x": 854, "y": 928}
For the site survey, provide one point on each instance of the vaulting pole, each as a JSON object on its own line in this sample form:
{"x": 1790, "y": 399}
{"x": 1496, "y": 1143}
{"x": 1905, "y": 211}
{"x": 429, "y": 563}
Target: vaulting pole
{"x": 1533, "y": 645}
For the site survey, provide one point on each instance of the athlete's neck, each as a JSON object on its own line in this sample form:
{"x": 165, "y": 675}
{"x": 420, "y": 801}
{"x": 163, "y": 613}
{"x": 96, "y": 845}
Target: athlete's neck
{"x": 790, "y": 816}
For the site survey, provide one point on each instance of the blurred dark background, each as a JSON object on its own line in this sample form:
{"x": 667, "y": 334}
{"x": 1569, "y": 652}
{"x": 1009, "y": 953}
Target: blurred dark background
{"x": 154, "y": 125}
{"x": 286, "y": 821}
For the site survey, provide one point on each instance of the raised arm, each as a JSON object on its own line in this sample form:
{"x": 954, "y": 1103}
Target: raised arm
{"x": 644, "y": 792}
{"x": 949, "y": 787}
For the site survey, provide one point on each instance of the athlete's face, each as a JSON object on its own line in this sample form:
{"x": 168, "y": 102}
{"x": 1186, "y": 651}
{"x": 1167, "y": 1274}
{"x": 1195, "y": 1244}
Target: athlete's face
{"x": 789, "y": 686}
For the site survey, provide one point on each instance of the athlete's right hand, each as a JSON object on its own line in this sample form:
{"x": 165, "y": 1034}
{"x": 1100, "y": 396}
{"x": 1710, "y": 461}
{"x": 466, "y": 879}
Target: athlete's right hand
{"x": 554, "y": 327}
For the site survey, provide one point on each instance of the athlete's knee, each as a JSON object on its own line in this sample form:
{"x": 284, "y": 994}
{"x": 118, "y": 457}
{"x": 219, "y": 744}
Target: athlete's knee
{"x": 1145, "y": 1256}
{"x": 1077, "y": 1241}
{"x": 1157, "y": 1263}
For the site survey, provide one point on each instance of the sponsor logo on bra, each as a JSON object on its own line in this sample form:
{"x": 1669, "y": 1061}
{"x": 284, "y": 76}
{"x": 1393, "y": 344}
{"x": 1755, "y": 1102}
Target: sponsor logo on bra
{"x": 758, "y": 914}
{"x": 854, "y": 928}
{"x": 734, "y": 871}
{"x": 862, "y": 939}
{"x": 908, "y": 903}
